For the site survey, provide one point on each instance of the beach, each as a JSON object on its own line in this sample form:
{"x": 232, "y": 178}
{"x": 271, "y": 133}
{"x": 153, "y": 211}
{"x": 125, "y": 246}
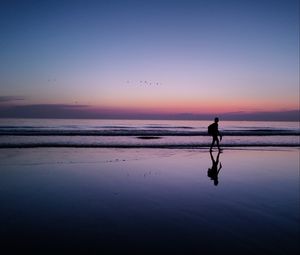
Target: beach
{"x": 149, "y": 127}
{"x": 149, "y": 201}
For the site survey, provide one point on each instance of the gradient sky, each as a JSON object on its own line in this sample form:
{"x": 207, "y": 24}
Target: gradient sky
{"x": 199, "y": 56}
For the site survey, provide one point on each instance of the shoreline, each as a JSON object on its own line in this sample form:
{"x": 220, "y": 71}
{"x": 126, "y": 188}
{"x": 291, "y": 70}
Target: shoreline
{"x": 141, "y": 146}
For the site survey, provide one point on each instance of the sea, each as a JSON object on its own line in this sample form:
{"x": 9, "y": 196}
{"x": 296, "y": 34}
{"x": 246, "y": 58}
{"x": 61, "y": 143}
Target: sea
{"x": 111, "y": 133}
{"x": 99, "y": 187}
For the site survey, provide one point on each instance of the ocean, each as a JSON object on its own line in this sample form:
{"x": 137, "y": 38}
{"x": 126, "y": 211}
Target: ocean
{"x": 107, "y": 133}
{"x": 85, "y": 192}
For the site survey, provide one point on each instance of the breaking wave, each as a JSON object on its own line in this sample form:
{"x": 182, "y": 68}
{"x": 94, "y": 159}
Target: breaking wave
{"x": 143, "y": 134}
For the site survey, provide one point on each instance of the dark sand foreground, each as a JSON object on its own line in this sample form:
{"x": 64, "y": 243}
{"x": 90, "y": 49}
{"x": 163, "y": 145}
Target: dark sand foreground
{"x": 149, "y": 201}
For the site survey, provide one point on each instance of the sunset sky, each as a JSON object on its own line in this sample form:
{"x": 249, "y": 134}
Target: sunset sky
{"x": 166, "y": 57}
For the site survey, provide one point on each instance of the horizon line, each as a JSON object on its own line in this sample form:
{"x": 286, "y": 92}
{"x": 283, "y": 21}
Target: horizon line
{"x": 65, "y": 111}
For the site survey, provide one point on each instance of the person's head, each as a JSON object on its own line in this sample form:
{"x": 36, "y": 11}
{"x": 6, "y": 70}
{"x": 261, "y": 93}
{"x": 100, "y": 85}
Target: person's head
{"x": 216, "y": 119}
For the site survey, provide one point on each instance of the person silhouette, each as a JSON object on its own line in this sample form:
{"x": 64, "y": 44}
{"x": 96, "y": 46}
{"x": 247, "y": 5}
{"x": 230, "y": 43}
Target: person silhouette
{"x": 213, "y": 130}
{"x": 213, "y": 172}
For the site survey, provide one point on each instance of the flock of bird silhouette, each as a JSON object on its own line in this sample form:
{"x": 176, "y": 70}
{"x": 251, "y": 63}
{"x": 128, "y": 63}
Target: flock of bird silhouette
{"x": 144, "y": 83}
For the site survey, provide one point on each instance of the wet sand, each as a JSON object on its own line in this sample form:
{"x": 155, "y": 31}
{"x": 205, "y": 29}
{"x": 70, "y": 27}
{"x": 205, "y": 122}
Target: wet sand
{"x": 149, "y": 201}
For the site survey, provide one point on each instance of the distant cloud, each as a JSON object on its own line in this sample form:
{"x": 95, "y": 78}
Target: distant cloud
{"x": 51, "y": 106}
{"x": 44, "y": 111}
{"x": 292, "y": 115}
{"x": 5, "y": 99}
{"x": 76, "y": 111}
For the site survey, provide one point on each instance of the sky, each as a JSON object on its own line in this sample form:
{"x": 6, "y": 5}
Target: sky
{"x": 162, "y": 57}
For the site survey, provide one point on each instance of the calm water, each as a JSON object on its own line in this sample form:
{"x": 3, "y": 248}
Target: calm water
{"x": 142, "y": 133}
{"x": 149, "y": 201}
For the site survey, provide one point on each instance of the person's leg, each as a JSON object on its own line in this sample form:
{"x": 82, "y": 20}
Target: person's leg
{"x": 218, "y": 144}
{"x": 211, "y": 146}
{"x": 212, "y": 143}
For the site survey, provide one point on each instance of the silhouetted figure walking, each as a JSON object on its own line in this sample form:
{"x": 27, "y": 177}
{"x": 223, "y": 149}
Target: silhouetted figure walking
{"x": 213, "y": 130}
{"x": 214, "y": 171}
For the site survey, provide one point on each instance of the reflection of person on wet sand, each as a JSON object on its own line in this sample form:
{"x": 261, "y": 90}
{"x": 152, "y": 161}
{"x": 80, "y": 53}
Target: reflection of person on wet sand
{"x": 214, "y": 171}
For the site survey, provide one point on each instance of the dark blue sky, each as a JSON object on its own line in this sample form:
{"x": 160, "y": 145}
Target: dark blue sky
{"x": 243, "y": 54}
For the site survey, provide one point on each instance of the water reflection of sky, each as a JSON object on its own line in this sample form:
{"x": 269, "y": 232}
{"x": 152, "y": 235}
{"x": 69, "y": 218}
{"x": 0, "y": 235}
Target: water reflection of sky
{"x": 150, "y": 200}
